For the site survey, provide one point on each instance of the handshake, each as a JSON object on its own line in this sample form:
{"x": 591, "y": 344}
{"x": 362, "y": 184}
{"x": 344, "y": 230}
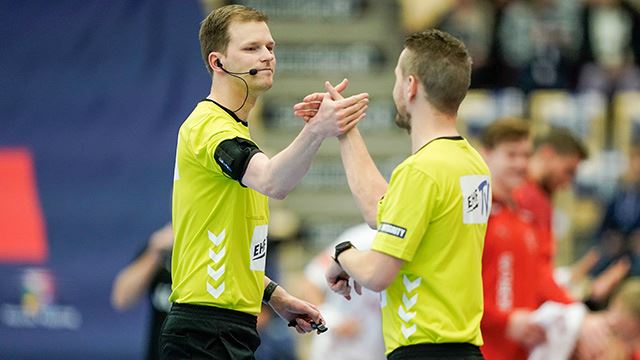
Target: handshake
{"x": 329, "y": 114}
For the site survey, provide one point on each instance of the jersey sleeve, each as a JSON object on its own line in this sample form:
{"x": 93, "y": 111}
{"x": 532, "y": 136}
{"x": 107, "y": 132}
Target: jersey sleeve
{"x": 233, "y": 156}
{"x": 225, "y": 152}
{"x": 405, "y": 212}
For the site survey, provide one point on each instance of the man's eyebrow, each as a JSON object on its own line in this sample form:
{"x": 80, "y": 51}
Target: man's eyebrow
{"x": 255, "y": 42}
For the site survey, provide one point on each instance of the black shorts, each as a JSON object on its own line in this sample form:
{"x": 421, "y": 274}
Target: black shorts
{"x": 448, "y": 351}
{"x": 207, "y": 332}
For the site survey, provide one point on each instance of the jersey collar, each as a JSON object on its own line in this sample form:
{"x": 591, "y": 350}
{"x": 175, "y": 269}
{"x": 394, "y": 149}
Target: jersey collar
{"x": 454, "y": 138}
{"x": 233, "y": 115}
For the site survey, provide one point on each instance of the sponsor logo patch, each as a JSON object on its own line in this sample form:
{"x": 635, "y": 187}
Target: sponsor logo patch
{"x": 476, "y": 199}
{"x": 258, "y": 248}
{"x": 393, "y": 230}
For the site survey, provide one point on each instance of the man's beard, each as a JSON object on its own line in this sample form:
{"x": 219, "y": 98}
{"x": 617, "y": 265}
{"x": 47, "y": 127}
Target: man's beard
{"x": 546, "y": 183}
{"x": 403, "y": 120}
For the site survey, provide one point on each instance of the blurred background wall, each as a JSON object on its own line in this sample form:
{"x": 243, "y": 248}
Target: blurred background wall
{"x": 93, "y": 93}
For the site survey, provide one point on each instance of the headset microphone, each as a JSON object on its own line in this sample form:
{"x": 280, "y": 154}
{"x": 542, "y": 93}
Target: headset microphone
{"x": 250, "y": 72}
{"x": 235, "y": 74}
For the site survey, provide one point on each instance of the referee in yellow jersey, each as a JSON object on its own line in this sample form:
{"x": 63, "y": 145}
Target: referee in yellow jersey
{"x": 432, "y": 216}
{"x": 221, "y": 185}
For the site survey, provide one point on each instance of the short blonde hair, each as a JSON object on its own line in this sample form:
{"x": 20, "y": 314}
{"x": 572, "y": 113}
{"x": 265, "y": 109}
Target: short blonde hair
{"x": 214, "y": 30}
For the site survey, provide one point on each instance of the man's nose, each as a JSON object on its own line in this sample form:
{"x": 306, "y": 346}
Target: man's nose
{"x": 268, "y": 55}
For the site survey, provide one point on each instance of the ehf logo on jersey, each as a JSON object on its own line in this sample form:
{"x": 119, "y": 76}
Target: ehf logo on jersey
{"x": 476, "y": 199}
{"x": 258, "y": 248}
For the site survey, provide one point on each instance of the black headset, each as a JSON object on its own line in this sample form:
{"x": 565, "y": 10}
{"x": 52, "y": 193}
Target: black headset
{"x": 235, "y": 74}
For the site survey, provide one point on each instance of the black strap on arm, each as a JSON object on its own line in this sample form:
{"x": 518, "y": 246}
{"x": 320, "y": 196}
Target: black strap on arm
{"x": 233, "y": 157}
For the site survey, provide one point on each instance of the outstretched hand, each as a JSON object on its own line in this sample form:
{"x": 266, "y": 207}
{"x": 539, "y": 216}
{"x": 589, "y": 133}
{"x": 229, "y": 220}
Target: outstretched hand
{"x": 309, "y": 106}
{"x": 337, "y": 117}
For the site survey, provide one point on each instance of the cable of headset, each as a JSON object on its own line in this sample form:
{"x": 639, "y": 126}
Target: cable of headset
{"x": 251, "y": 72}
{"x": 246, "y": 91}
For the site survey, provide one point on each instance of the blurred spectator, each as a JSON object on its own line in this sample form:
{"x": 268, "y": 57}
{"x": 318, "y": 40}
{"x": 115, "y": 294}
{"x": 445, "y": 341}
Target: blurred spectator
{"x": 620, "y": 230}
{"x": 510, "y": 258}
{"x": 473, "y": 22}
{"x": 356, "y": 329}
{"x": 418, "y": 15}
{"x": 539, "y": 40}
{"x": 610, "y": 51}
{"x": 552, "y": 166}
{"x": 515, "y": 279}
{"x": 149, "y": 273}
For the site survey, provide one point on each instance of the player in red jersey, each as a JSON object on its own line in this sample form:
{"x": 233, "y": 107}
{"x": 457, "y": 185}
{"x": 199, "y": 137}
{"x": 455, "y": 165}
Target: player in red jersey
{"x": 552, "y": 166}
{"x": 512, "y": 272}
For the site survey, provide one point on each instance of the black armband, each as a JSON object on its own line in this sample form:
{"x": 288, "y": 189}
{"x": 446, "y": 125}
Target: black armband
{"x": 268, "y": 291}
{"x": 233, "y": 157}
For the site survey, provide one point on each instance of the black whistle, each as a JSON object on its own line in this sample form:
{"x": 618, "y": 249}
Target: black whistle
{"x": 320, "y": 328}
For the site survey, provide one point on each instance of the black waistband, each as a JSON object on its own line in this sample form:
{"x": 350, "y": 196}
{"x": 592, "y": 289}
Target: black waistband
{"x": 430, "y": 351}
{"x": 212, "y": 311}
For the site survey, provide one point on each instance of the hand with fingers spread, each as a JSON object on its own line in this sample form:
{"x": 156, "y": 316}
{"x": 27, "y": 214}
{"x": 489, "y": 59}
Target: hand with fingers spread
{"x": 332, "y": 114}
{"x": 336, "y": 117}
{"x": 308, "y": 107}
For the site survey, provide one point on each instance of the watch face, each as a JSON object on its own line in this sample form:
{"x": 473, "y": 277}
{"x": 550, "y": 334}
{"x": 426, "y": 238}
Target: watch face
{"x": 342, "y": 247}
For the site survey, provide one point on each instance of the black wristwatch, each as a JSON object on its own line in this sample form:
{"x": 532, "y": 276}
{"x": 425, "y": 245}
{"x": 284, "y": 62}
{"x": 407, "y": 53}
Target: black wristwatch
{"x": 268, "y": 291}
{"x": 342, "y": 247}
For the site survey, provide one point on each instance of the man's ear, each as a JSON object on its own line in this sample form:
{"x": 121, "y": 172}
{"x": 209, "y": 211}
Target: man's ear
{"x": 214, "y": 61}
{"x": 412, "y": 87}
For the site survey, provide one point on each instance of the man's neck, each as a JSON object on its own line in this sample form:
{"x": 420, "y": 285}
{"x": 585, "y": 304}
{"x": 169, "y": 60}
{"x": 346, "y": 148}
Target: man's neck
{"x": 232, "y": 98}
{"x": 429, "y": 124}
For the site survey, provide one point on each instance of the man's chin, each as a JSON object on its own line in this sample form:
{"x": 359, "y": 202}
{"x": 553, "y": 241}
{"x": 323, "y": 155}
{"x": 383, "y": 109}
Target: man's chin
{"x": 260, "y": 88}
{"x": 403, "y": 123}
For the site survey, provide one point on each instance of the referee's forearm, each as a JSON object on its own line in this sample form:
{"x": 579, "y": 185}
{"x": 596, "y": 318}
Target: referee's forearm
{"x": 368, "y": 268}
{"x": 288, "y": 167}
{"x": 364, "y": 179}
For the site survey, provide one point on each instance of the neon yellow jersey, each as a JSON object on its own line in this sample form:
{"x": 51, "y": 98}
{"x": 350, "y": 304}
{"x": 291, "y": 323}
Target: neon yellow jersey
{"x": 220, "y": 227}
{"x": 434, "y": 216}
